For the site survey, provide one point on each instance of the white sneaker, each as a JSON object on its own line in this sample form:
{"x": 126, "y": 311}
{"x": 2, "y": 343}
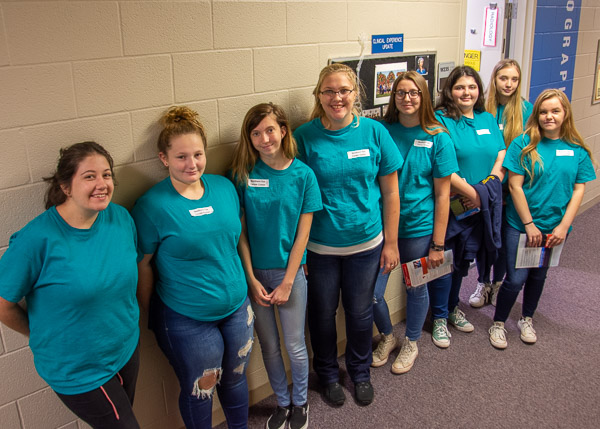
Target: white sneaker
{"x": 406, "y": 358}
{"x": 386, "y": 345}
{"x": 498, "y": 335}
{"x": 528, "y": 336}
{"x": 479, "y": 297}
{"x": 493, "y": 295}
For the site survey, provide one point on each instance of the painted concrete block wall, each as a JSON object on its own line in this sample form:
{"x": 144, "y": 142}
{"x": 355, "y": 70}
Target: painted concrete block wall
{"x": 106, "y": 70}
{"x": 586, "y": 114}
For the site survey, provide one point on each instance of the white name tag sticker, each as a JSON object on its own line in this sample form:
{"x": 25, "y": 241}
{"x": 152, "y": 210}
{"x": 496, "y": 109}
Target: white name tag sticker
{"x": 358, "y": 153}
{"x": 565, "y": 152}
{"x": 423, "y": 143}
{"x": 258, "y": 183}
{"x": 202, "y": 211}
{"x": 482, "y": 132}
{"x": 501, "y": 126}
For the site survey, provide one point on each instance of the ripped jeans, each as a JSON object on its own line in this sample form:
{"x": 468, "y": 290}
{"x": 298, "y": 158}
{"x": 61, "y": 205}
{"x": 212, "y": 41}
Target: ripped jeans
{"x": 202, "y": 353}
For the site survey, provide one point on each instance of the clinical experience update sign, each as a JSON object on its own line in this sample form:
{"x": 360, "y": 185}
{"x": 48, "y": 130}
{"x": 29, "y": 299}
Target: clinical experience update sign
{"x": 384, "y": 43}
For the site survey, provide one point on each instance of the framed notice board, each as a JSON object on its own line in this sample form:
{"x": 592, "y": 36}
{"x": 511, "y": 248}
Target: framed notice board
{"x": 378, "y": 72}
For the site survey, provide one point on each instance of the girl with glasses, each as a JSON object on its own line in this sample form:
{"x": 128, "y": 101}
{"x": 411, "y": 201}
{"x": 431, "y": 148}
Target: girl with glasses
{"x": 424, "y": 182}
{"x": 355, "y": 162}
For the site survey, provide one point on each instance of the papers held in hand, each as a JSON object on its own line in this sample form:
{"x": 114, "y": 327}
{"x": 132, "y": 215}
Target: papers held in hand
{"x": 417, "y": 273}
{"x": 537, "y": 257}
{"x": 459, "y": 209}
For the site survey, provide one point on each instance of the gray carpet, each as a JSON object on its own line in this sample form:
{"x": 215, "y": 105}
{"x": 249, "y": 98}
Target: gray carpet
{"x": 552, "y": 384}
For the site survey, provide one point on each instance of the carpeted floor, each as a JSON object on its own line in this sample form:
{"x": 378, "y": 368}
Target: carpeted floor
{"x": 552, "y": 384}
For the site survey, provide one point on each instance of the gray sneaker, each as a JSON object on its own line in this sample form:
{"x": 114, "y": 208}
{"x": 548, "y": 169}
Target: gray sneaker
{"x": 480, "y": 296}
{"x": 459, "y": 321}
{"x": 440, "y": 335}
{"x": 386, "y": 345}
{"x": 528, "y": 336}
{"x": 498, "y": 335}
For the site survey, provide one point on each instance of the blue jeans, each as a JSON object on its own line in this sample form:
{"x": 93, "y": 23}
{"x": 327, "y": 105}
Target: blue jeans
{"x": 291, "y": 317}
{"x": 417, "y": 298}
{"x": 437, "y": 289}
{"x": 381, "y": 312}
{"x": 354, "y": 276}
{"x": 198, "y": 349}
{"x": 532, "y": 278}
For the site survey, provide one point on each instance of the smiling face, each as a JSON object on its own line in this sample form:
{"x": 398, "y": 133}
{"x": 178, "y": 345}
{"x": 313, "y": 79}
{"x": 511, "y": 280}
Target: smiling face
{"x": 266, "y": 137}
{"x": 407, "y": 106}
{"x": 92, "y": 186}
{"x": 338, "y": 109}
{"x": 507, "y": 82}
{"x": 465, "y": 93}
{"x": 551, "y": 118}
{"x": 185, "y": 158}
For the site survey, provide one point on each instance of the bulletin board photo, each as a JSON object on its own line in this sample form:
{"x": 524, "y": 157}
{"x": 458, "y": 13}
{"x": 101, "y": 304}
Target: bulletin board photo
{"x": 378, "y": 73}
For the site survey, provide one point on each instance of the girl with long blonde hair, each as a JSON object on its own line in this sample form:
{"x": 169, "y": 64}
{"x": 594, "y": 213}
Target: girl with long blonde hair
{"x": 548, "y": 168}
{"x": 355, "y": 162}
{"x": 512, "y": 111}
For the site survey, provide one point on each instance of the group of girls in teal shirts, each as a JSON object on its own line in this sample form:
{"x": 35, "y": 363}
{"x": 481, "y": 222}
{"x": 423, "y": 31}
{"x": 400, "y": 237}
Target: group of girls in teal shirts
{"x": 301, "y": 221}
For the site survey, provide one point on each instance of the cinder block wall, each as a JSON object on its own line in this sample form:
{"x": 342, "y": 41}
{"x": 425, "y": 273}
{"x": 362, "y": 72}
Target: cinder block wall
{"x": 106, "y": 70}
{"x": 586, "y": 114}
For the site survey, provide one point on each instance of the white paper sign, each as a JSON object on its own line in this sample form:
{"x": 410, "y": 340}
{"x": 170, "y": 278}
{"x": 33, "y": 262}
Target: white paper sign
{"x": 565, "y": 152}
{"x": 358, "y": 153}
{"x": 258, "y": 183}
{"x": 201, "y": 211}
{"x": 491, "y": 25}
{"x": 482, "y": 132}
{"x": 423, "y": 143}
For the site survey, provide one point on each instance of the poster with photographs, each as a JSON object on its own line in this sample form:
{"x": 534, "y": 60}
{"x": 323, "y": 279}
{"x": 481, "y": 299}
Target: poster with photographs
{"x": 377, "y": 74}
{"x": 385, "y": 75}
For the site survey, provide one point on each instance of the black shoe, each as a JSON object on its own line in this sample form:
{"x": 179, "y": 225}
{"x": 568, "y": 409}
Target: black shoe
{"x": 279, "y": 418}
{"x": 364, "y": 392}
{"x": 334, "y": 394}
{"x": 299, "y": 418}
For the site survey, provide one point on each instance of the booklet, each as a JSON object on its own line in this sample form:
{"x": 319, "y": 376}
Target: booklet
{"x": 417, "y": 273}
{"x": 537, "y": 257}
{"x": 459, "y": 209}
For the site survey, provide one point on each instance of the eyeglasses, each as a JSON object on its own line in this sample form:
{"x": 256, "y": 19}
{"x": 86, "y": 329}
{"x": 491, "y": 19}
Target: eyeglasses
{"x": 343, "y": 93}
{"x": 412, "y": 94}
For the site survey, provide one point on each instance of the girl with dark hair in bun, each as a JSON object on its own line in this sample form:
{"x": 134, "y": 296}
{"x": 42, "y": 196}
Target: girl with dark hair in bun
{"x": 75, "y": 265}
{"x": 189, "y": 227}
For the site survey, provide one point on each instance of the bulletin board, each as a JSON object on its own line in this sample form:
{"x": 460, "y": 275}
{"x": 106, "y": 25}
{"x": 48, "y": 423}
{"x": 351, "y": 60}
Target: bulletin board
{"x": 377, "y": 73}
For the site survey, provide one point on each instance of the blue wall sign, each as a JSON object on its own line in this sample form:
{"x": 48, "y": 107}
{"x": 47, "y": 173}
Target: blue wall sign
{"x": 384, "y": 43}
{"x": 554, "y": 46}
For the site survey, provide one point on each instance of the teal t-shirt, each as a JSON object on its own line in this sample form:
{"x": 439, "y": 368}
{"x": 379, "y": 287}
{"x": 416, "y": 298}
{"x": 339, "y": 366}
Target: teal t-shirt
{"x": 194, "y": 243}
{"x": 564, "y": 165}
{"x": 79, "y": 285}
{"x": 425, "y": 157}
{"x": 273, "y": 201}
{"x": 347, "y": 163}
{"x": 527, "y": 108}
{"x": 477, "y": 142}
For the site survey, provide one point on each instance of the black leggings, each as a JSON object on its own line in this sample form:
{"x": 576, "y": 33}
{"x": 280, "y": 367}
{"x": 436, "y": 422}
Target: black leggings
{"x": 110, "y": 405}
